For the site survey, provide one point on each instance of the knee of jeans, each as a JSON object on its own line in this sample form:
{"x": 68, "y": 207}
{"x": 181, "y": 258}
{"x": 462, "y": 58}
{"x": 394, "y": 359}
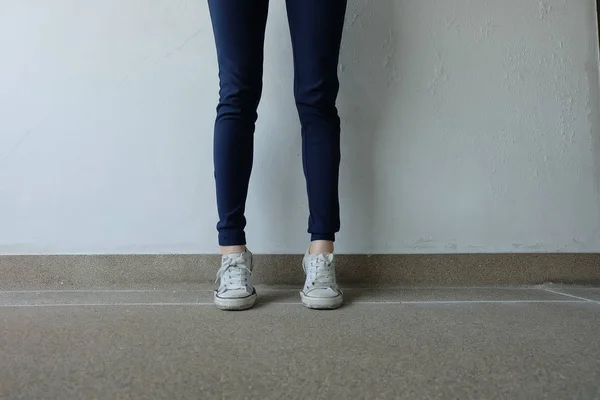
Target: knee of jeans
{"x": 239, "y": 99}
{"x": 318, "y": 95}
{"x": 315, "y": 106}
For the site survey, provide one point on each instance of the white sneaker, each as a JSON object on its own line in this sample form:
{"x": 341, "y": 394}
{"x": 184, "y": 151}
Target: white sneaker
{"x": 320, "y": 291}
{"x": 235, "y": 291}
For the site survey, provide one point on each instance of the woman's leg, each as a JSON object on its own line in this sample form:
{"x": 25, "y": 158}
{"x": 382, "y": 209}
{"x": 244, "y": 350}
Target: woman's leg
{"x": 239, "y": 30}
{"x": 316, "y": 29}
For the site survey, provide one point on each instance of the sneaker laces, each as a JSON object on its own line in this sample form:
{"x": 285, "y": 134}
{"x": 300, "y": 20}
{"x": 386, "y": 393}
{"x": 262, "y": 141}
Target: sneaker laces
{"x": 233, "y": 273}
{"x": 320, "y": 272}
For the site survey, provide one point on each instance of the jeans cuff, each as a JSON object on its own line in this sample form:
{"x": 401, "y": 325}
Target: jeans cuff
{"x": 323, "y": 236}
{"x": 232, "y": 238}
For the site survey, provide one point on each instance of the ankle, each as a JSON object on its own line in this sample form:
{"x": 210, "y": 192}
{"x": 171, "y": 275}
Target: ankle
{"x": 321, "y": 247}
{"x": 232, "y": 249}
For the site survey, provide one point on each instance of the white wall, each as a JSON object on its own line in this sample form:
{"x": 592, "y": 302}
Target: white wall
{"x": 468, "y": 126}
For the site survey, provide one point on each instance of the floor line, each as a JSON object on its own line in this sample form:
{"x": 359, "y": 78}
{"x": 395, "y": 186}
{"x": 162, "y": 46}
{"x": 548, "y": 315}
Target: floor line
{"x": 116, "y": 291}
{"x": 105, "y": 305}
{"x": 262, "y": 289}
{"x": 571, "y": 295}
{"x": 469, "y": 302}
{"x": 431, "y": 302}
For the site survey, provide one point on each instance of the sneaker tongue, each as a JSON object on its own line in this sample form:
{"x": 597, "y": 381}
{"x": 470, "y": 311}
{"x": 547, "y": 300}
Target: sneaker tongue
{"x": 235, "y": 257}
{"x": 328, "y": 258}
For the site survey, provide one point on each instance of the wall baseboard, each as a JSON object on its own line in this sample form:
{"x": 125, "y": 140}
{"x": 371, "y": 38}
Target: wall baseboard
{"x": 147, "y": 271}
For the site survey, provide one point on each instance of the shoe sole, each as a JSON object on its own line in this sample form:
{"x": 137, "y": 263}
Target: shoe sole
{"x": 238, "y": 304}
{"x": 325, "y": 303}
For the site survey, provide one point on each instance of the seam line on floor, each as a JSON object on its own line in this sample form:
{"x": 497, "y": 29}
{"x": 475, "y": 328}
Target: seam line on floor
{"x": 433, "y": 302}
{"x": 389, "y": 289}
{"x": 572, "y": 296}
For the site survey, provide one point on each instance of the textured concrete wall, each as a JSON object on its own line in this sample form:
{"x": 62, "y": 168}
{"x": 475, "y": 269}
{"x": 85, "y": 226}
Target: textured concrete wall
{"x": 468, "y": 126}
